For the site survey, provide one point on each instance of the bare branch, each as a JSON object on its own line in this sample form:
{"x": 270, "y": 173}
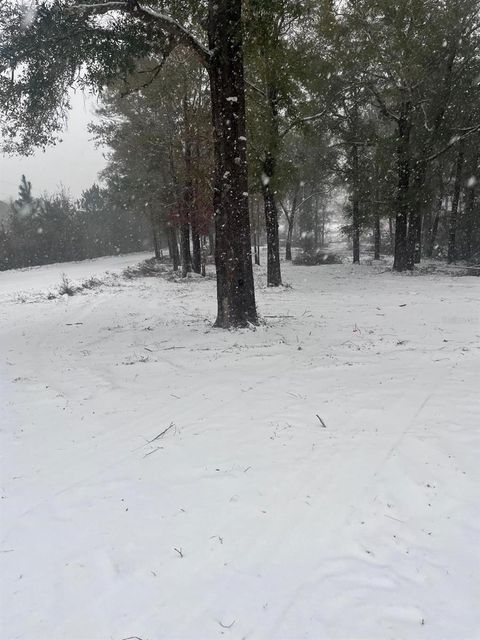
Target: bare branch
{"x": 453, "y": 141}
{"x": 298, "y": 121}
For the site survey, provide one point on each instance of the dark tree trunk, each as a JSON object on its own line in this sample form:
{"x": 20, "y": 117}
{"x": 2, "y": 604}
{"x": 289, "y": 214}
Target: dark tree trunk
{"x": 233, "y": 253}
{"x": 391, "y": 233}
{"x": 155, "y": 236}
{"x": 288, "y": 244}
{"x": 188, "y": 197}
{"x": 355, "y": 206}
{"x": 414, "y": 236}
{"x": 258, "y": 235}
{"x": 274, "y": 276}
{"x": 256, "y": 248}
{"x": 453, "y": 221}
{"x": 196, "y": 252}
{"x": 173, "y": 247}
{"x": 400, "y": 262}
{"x": 376, "y": 237}
{"x": 185, "y": 255}
{"x": 470, "y": 200}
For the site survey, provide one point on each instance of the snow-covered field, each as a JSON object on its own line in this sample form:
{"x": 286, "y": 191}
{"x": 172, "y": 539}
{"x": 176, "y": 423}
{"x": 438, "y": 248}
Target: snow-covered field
{"x": 316, "y": 478}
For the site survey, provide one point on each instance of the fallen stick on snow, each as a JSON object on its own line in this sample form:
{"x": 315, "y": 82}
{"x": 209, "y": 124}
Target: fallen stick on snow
{"x": 321, "y": 421}
{"x": 172, "y": 424}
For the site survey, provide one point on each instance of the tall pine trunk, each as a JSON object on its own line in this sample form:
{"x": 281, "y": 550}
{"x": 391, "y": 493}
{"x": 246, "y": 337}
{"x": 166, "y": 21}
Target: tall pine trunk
{"x": 233, "y": 254}
{"x": 274, "y": 276}
{"x": 376, "y": 237}
{"x": 453, "y": 220}
{"x": 355, "y": 206}
{"x": 196, "y": 251}
{"x": 400, "y": 262}
{"x": 470, "y": 201}
{"x": 173, "y": 247}
{"x": 414, "y": 236}
{"x": 155, "y": 235}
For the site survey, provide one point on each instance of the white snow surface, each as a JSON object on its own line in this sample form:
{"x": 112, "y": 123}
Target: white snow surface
{"x": 247, "y": 518}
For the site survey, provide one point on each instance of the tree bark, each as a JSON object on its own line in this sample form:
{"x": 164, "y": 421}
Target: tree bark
{"x": 355, "y": 206}
{"x": 233, "y": 254}
{"x": 376, "y": 237}
{"x": 274, "y": 276}
{"x": 185, "y": 255}
{"x": 453, "y": 220}
{"x": 173, "y": 247}
{"x": 155, "y": 236}
{"x": 196, "y": 251}
{"x": 414, "y": 236}
{"x": 400, "y": 262}
{"x": 470, "y": 200}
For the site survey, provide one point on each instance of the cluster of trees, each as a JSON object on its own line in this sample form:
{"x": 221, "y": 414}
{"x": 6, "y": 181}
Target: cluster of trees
{"x": 373, "y": 99}
{"x": 57, "y": 228}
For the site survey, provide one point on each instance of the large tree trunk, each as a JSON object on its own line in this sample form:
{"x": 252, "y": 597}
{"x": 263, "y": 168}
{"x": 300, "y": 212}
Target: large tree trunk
{"x": 453, "y": 221}
{"x": 233, "y": 256}
{"x": 400, "y": 262}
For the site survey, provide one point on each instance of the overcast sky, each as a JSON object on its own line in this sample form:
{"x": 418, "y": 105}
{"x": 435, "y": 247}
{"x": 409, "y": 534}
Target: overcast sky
{"x": 73, "y": 163}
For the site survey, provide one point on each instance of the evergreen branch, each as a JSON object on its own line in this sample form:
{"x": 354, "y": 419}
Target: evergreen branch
{"x": 166, "y": 22}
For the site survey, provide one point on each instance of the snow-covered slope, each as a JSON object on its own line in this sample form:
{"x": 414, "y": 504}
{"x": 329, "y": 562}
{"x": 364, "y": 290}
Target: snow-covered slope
{"x": 316, "y": 478}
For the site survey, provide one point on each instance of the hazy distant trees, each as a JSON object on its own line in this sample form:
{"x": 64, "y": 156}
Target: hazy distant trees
{"x": 57, "y": 228}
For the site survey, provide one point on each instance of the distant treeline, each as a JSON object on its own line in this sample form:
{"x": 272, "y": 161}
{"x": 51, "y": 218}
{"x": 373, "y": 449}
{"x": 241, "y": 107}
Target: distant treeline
{"x": 57, "y": 228}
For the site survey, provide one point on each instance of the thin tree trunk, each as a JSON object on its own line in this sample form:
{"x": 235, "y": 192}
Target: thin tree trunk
{"x": 156, "y": 241}
{"x": 173, "y": 247}
{"x": 185, "y": 255}
{"x": 470, "y": 200}
{"x": 414, "y": 236}
{"x": 288, "y": 244}
{"x": 233, "y": 253}
{"x": 196, "y": 252}
{"x": 269, "y": 165}
{"x": 400, "y": 262}
{"x": 453, "y": 221}
{"x": 355, "y": 206}
{"x": 274, "y": 276}
{"x": 376, "y": 237}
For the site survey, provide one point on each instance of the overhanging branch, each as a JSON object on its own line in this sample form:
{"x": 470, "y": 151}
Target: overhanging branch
{"x": 147, "y": 14}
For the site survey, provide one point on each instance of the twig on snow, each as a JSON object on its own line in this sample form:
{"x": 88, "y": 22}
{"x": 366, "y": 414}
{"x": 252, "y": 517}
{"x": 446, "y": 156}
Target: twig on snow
{"x": 321, "y": 421}
{"x": 160, "y": 435}
{"x": 150, "y": 452}
{"x": 179, "y": 551}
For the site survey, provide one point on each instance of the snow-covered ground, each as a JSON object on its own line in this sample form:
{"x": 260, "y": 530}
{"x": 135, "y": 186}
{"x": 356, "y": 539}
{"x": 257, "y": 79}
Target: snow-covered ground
{"x": 316, "y": 478}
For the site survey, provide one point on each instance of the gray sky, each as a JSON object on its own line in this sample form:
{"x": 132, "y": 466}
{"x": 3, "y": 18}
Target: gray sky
{"x": 73, "y": 163}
